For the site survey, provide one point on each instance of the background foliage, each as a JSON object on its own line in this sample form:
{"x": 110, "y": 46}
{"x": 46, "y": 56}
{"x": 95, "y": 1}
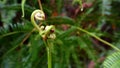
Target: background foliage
{"x": 21, "y": 47}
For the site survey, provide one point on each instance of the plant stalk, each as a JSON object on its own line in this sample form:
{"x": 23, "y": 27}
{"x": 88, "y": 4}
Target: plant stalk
{"x": 40, "y": 5}
{"x": 49, "y": 58}
{"x": 103, "y": 41}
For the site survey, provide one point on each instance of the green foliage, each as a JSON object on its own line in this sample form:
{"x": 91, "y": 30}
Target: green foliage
{"x": 112, "y": 61}
{"x": 60, "y": 20}
{"x": 22, "y": 47}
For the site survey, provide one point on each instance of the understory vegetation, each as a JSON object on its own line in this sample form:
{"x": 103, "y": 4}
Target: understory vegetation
{"x": 81, "y": 34}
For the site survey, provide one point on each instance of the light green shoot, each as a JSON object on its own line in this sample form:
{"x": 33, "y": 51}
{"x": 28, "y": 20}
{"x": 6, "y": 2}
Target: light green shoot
{"x": 22, "y": 7}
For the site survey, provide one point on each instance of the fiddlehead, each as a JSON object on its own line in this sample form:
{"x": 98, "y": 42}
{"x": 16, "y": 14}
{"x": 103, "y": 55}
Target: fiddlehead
{"x": 38, "y": 15}
{"x": 45, "y": 32}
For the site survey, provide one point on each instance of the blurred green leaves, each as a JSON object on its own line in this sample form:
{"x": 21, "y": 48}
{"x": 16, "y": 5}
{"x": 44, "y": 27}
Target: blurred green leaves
{"x": 22, "y": 47}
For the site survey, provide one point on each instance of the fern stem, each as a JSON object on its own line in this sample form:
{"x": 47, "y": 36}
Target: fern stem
{"x": 40, "y": 5}
{"x": 103, "y": 41}
{"x": 22, "y": 5}
{"x": 49, "y": 58}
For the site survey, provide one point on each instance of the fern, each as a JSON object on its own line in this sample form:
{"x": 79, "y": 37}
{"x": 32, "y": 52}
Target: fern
{"x": 15, "y": 28}
{"x": 17, "y": 7}
{"x": 112, "y": 61}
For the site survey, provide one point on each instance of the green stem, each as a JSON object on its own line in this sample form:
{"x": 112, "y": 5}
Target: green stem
{"x": 49, "y": 57}
{"x": 48, "y": 54}
{"x": 103, "y": 41}
{"x": 40, "y": 5}
{"x": 22, "y": 5}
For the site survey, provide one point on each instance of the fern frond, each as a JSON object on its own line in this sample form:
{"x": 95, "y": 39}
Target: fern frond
{"x": 17, "y": 7}
{"x": 112, "y": 61}
{"x": 15, "y": 28}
